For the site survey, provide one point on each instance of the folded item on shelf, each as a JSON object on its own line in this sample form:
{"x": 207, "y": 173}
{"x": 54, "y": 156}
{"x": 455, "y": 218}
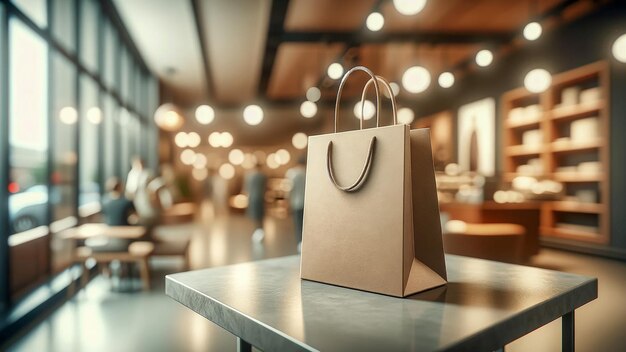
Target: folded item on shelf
{"x": 590, "y": 95}
{"x": 532, "y": 138}
{"x": 584, "y": 130}
{"x": 569, "y": 96}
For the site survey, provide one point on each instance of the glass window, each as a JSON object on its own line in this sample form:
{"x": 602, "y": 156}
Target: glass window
{"x": 90, "y": 120}
{"x": 64, "y": 120}
{"x": 124, "y": 125}
{"x": 125, "y": 75}
{"x": 64, "y": 23}
{"x": 36, "y": 10}
{"x": 110, "y": 137}
{"x": 110, "y": 47}
{"x": 89, "y": 21}
{"x": 28, "y": 131}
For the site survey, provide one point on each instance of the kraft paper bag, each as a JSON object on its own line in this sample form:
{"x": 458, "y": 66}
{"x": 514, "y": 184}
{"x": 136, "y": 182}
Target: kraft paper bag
{"x": 371, "y": 216}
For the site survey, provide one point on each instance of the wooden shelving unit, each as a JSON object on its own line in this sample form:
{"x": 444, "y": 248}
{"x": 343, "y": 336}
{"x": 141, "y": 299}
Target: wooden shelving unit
{"x": 557, "y": 152}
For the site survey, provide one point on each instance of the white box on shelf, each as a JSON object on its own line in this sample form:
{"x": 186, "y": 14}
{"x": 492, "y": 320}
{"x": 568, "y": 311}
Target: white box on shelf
{"x": 516, "y": 114}
{"x": 590, "y": 167}
{"x": 569, "y": 96}
{"x": 532, "y": 112}
{"x": 584, "y": 130}
{"x": 532, "y": 138}
{"x": 590, "y": 95}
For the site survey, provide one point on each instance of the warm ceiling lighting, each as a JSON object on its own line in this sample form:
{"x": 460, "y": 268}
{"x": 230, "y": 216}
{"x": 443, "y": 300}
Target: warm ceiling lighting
{"x": 409, "y": 7}
{"x": 375, "y": 21}
{"x": 308, "y": 109}
{"x": 484, "y": 58}
{"x": 369, "y": 109}
{"x": 94, "y": 115}
{"x": 537, "y": 80}
{"x": 200, "y": 161}
{"x": 181, "y": 140}
{"x": 405, "y": 116}
{"x": 226, "y": 139}
{"x": 282, "y": 156}
{"x": 193, "y": 139}
{"x": 188, "y": 156}
{"x": 313, "y": 94}
{"x": 236, "y": 157}
{"x": 205, "y": 114}
{"x": 271, "y": 161}
{"x": 199, "y": 174}
{"x": 299, "y": 140}
{"x": 68, "y": 115}
{"x": 253, "y": 115}
{"x": 335, "y": 70}
{"x": 619, "y": 48}
{"x": 446, "y": 80}
{"x": 169, "y": 117}
{"x": 227, "y": 171}
{"x": 215, "y": 139}
{"x": 416, "y": 79}
{"x": 395, "y": 88}
{"x": 532, "y": 31}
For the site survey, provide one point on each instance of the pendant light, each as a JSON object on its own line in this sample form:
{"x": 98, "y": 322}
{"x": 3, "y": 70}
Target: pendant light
{"x": 168, "y": 116}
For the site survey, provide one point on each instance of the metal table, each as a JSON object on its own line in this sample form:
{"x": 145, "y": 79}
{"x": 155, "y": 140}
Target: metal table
{"x": 484, "y": 306}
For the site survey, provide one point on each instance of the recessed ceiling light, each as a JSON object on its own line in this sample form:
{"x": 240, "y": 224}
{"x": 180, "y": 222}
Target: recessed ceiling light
{"x": 446, "y": 80}
{"x": 409, "y": 7}
{"x": 308, "y": 109}
{"x": 532, "y": 31}
{"x": 313, "y": 94}
{"x": 205, "y": 114}
{"x": 484, "y": 58}
{"x": 369, "y": 109}
{"x": 405, "y": 116}
{"x": 253, "y": 115}
{"x": 335, "y": 70}
{"x": 375, "y": 21}
{"x": 416, "y": 79}
{"x": 537, "y": 80}
{"x": 619, "y": 48}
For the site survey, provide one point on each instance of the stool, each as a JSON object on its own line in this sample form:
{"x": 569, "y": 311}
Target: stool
{"x": 138, "y": 252}
{"x": 500, "y": 242}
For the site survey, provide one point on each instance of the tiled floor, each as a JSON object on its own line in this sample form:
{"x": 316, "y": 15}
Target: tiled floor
{"x": 101, "y": 320}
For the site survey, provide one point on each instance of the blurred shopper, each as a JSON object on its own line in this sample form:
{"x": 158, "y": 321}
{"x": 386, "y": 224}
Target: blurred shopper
{"x": 296, "y": 175}
{"x": 136, "y": 173}
{"x": 254, "y": 186}
{"x": 116, "y": 210}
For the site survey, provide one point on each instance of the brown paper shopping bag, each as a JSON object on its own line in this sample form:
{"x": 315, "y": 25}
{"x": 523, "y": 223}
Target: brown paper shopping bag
{"x": 371, "y": 217}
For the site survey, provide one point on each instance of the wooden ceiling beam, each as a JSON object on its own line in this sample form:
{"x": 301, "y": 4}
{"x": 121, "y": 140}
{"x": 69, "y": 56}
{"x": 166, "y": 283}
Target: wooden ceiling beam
{"x": 276, "y": 28}
{"x": 382, "y": 38}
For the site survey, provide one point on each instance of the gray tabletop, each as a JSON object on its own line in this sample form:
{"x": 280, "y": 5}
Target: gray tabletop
{"x": 484, "y": 306}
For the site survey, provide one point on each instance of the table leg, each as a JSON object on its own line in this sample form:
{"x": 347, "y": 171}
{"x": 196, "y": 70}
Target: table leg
{"x": 567, "y": 334}
{"x": 243, "y": 346}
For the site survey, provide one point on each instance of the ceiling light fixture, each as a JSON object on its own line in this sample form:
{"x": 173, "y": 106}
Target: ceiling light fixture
{"x": 484, "y": 58}
{"x": 409, "y": 7}
{"x": 368, "y": 110}
{"x": 193, "y": 139}
{"x": 416, "y": 79}
{"x": 446, "y": 80}
{"x": 236, "y": 157}
{"x": 68, "y": 115}
{"x": 537, "y": 80}
{"x": 335, "y": 70}
{"x": 375, "y": 21}
{"x": 299, "y": 140}
{"x": 313, "y": 94}
{"x": 94, "y": 115}
{"x": 532, "y": 31}
{"x": 619, "y": 48}
{"x": 253, "y": 115}
{"x": 181, "y": 140}
{"x": 205, "y": 114}
{"x": 169, "y": 117}
{"x": 226, "y": 139}
{"x": 405, "y": 116}
{"x": 215, "y": 139}
{"x": 308, "y": 109}
{"x": 227, "y": 171}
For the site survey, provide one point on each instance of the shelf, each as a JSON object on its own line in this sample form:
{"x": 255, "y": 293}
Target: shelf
{"x": 523, "y": 124}
{"x": 577, "y": 207}
{"x": 522, "y": 150}
{"x": 577, "y": 177}
{"x": 576, "y": 111}
{"x": 509, "y": 176}
{"x": 567, "y": 147}
{"x": 587, "y": 236}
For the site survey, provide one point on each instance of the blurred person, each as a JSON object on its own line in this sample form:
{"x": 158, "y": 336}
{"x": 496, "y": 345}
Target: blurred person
{"x": 296, "y": 175}
{"x": 136, "y": 173}
{"x": 116, "y": 210}
{"x": 254, "y": 186}
{"x": 151, "y": 197}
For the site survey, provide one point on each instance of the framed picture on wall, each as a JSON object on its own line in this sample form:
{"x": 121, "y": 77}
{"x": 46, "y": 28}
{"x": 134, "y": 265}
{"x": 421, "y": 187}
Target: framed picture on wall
{"x": 477, "y": 137}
